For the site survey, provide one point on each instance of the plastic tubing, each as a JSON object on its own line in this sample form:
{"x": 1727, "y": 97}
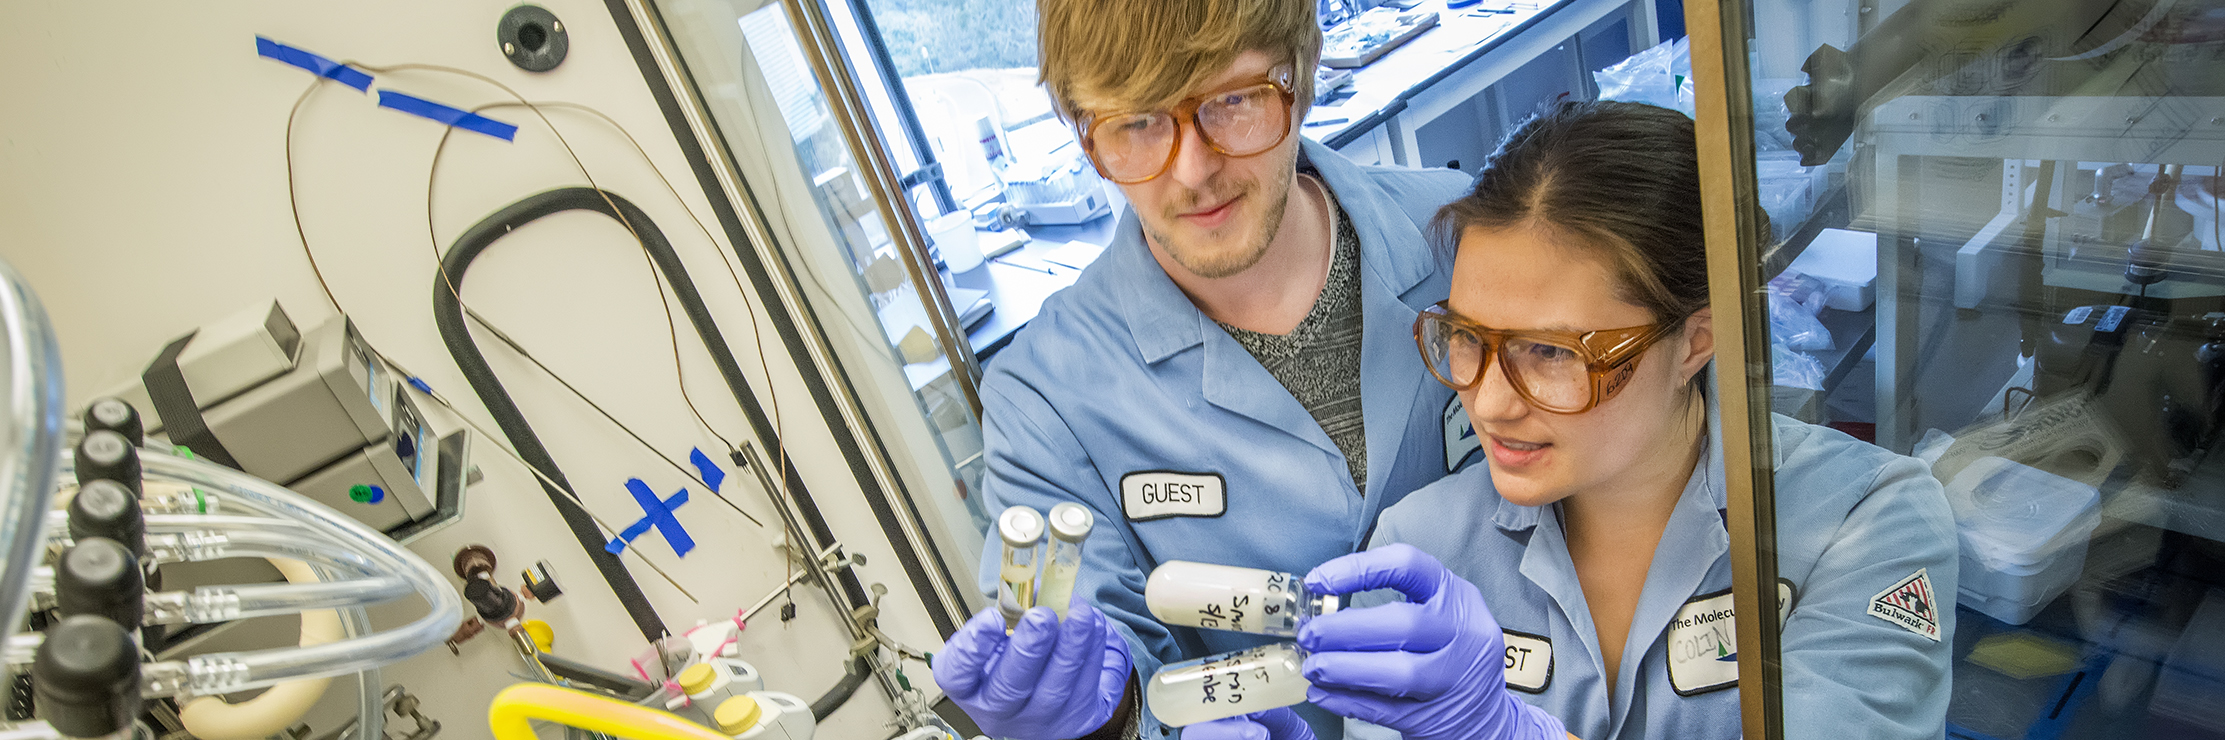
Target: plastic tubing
{"x": 212, "y": 718}
{"x": 370, "y": 698}
{"x": 218, "y": 673}
{"x": 226, "y": 603}
{"x": 312, "y": 549}
{"x": 31, "y": 404}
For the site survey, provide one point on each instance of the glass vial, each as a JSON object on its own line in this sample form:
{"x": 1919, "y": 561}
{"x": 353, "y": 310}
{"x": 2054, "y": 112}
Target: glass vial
{"x": 1226, "y": 597}
{"x": 1070, "y": 523}
{"x": 1228, "y": 684}
{"x": 1022, "y": 531}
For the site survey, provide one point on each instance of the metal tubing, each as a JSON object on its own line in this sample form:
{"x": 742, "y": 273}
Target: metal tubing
{"x": 824, "y": 50}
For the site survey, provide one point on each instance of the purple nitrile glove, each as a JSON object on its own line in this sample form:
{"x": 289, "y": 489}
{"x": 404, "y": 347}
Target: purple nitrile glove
{"x": 1432, "y": 667}
{"x": 1273, "y": 724}
{"x": 1046, "y": 681}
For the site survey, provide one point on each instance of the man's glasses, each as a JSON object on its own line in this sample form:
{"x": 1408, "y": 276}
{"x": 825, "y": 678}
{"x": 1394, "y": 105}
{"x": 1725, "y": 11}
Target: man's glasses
{"x": 1134, "y": 147}
{"x": 1563, "y": 372}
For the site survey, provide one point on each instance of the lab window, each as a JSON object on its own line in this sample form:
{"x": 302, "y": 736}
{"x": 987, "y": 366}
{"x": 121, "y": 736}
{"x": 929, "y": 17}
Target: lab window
{"x": 1995, "y": 250}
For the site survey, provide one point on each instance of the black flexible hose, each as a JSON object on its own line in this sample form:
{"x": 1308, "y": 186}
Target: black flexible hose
{"x": 448, "y": 314}
{"x": 842, "y": 691}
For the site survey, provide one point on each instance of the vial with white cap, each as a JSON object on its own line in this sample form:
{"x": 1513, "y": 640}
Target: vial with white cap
{"x": 1225, "y": 685}
{"x": 1070, "y": 523}
{"x": 1226, "y": 597}
{"x": 1021, "y": 528}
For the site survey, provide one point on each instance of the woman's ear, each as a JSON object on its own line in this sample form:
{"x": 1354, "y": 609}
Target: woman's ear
{"x": 1699, "y": 343}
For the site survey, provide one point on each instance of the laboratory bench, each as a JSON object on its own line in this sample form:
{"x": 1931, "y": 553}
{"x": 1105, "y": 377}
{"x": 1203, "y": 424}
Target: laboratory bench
{"x": 1448, "y": 94}
{"x": 1444, "y": 96}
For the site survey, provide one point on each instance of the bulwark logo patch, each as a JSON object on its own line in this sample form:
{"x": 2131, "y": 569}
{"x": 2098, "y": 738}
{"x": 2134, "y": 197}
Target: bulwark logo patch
{"x": 1909, "y": 604}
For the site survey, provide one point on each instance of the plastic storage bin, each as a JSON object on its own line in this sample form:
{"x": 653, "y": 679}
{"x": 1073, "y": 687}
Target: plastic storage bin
{"x": 2023, "y": 535}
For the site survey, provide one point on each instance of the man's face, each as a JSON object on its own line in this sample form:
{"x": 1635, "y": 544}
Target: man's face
{"x": 1211, "y": 213}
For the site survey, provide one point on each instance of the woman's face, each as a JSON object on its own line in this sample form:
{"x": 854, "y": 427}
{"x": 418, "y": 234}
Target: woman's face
{"x": 1521, "y": 278}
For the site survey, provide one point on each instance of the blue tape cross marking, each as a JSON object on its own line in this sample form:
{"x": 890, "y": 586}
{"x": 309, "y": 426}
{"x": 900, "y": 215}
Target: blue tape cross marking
{"x": 323, "y": 67}
{"x": 456, "y": 117}
{"x": 712, "y": 475}
{"x": 659, "y": 515}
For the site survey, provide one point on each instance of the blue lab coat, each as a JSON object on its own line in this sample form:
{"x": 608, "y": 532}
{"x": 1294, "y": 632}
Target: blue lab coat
{"x": 1121, "y": 379}
{"x": 1853, "y": 523}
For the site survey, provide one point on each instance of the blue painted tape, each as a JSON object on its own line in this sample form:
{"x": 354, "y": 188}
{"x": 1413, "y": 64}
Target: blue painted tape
{"x": 323, "y": 67}
{"x": 456, "y": 117}
{"x": 712, "y": 475}
{"x": 658, "y": 515}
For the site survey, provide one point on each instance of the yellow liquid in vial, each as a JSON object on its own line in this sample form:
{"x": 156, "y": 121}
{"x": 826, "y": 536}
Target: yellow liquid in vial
{"x": 1228, "y": 684}
{"x": 1019, "y": 580}
{"x": 1058, "y": 586}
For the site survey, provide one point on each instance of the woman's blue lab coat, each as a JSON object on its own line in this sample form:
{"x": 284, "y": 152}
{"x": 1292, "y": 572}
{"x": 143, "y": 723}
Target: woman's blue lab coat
{"x": 1123, "y": 397}
{"x": 1866, "y": 548}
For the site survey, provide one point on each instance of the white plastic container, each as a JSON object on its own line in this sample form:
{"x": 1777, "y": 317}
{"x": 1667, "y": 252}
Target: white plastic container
{"x": 954, "y": 236}
{"x": 1846, "y": 263}
{"x": 2023, "y": 535}
{"x": 765, "y": 715}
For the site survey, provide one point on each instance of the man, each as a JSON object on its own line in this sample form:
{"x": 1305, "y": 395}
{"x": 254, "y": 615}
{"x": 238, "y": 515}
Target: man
{"x": 1234, "y": 382}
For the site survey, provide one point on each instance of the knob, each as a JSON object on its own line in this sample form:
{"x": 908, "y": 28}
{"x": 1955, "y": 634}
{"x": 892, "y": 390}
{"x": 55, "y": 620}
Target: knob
{"x": 109, "y": 414}
{"x": 86, "y": 677}
{"x": 97, "y": 576}
{"x": 106, "y": 455}
{"x": 105, "y": 508}
{"x": 494, "y": 603}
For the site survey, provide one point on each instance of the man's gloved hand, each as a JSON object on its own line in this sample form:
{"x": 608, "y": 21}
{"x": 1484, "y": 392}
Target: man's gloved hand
{"x": 1273, "y": 724}
{"x": 1048, "y": 680}
{"x": 1432, "y": 667}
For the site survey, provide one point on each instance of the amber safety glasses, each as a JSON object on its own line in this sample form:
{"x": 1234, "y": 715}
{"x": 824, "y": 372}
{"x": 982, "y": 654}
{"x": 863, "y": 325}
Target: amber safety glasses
{"x": 1563, "y": 372}
{"x": 1243, "y": 121}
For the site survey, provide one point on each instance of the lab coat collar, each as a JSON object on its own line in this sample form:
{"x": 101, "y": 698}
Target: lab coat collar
{"x": 1164, "y": 320}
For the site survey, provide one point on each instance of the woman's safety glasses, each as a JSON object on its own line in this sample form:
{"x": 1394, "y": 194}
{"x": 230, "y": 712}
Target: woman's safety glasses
{"x": 1134, "y": 147}
{"x": 1563, "y": 372}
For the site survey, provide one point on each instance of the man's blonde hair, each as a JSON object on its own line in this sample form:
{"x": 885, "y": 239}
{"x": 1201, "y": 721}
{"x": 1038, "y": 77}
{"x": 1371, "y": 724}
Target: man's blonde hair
{"x": 1100, "y": 56}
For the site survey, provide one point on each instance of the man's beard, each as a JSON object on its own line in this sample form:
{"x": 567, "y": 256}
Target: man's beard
{"x": 1209, "y": 264}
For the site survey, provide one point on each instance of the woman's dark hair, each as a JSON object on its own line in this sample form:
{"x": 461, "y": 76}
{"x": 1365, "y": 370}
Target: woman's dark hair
{"x": 1619, "y": 179}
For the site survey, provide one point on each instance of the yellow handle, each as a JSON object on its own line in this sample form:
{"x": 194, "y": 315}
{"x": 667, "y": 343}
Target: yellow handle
{"x": 528, "y": 701}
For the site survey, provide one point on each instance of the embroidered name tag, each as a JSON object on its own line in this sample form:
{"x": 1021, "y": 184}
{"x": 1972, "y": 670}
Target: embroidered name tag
{"x": 1909, "y": 604}
{"x": 1461, "y": 439}
{"x": 1158, "y": 494}
{"x": 1529, "y": 662}
{"x": 1703, "y": 641}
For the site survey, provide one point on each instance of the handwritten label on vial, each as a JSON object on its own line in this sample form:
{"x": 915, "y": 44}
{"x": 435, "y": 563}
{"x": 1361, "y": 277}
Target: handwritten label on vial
{"x": 1225, "y": 679}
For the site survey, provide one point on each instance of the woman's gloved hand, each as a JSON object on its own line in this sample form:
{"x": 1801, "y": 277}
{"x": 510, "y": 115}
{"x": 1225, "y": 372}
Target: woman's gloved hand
{"x": 1432, "y": 667}
{"x": 1046, "y": 681}
{"x": 1273, "y": 724}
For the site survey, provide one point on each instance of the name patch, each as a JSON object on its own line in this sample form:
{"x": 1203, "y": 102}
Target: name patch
{"x": 1158, "y": 494}
{"x": 1703, "y": 641}
{"x": 1529, "y": 662}
{"x": 1461, "y": 439}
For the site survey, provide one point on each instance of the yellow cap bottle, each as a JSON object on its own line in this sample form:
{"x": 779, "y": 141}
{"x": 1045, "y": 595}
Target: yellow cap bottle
{"x": 698, "y": 678}
{"x": 738, "y": 715}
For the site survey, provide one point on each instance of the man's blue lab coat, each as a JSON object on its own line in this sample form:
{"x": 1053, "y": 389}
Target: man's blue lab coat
{"x": 1123, "y": 397}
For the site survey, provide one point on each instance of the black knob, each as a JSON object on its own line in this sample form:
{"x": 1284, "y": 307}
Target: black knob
{"x": 105, "y": 508}
{"x": 106, "y": 455}
{"x": 495, "y": 603}
{"x": 87, "y": 677}
{"x": 113, "y": 415}
{"x": 99, "y": 577}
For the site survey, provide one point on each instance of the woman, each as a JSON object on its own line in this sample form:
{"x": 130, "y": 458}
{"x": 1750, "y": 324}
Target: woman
{"x": 1586, "y": 569}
